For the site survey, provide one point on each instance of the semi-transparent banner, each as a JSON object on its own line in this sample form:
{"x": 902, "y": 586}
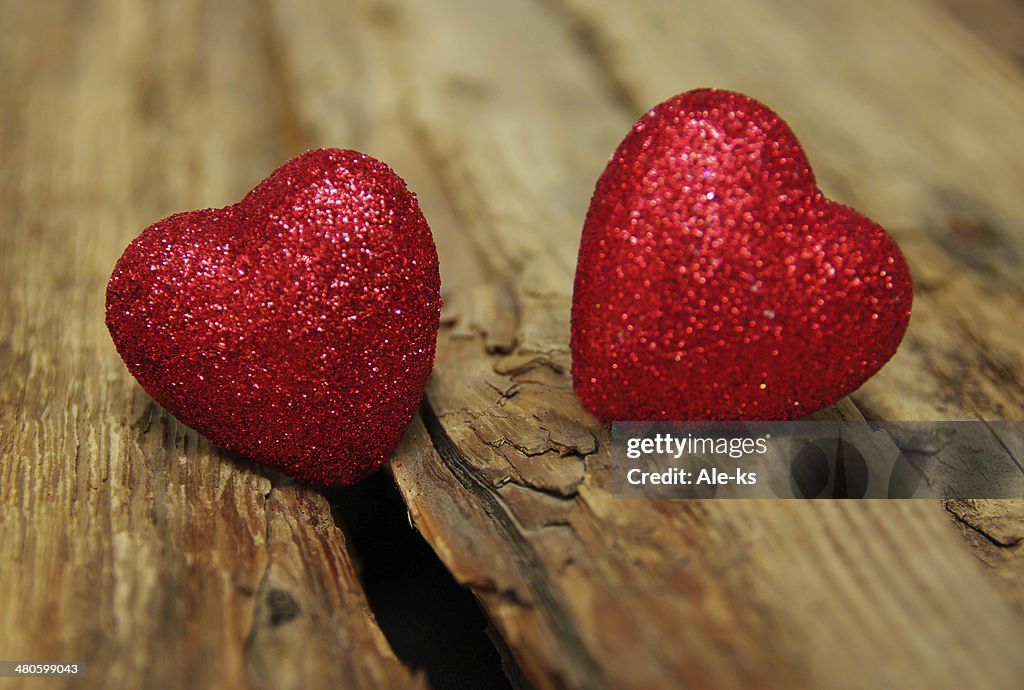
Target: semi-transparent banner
{"x": 818, "y": 459}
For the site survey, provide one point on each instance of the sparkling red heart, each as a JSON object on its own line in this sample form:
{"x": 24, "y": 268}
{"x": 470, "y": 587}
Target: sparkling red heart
{"x": 297, "y": 327}
{"x": 716, "y": 282}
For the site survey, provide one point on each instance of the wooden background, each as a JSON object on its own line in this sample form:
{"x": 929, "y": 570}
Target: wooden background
{"x": 128, "y": 542}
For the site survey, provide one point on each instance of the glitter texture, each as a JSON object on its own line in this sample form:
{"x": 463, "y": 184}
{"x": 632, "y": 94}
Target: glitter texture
{"x": 297, "y": 327}
{"x": 716, "y": 282}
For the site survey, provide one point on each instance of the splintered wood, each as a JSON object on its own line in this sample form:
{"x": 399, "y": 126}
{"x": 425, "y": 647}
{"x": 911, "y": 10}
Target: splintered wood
{"x": 132, "y": 545}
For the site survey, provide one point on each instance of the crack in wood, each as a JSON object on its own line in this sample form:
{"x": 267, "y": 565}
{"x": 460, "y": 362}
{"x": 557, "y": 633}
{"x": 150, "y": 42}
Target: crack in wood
{"x": 960, "y": 516}
{"x": 556, "y": 615}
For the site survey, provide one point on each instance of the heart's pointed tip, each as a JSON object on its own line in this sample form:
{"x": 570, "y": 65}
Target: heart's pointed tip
{"x": 328, "y": 472}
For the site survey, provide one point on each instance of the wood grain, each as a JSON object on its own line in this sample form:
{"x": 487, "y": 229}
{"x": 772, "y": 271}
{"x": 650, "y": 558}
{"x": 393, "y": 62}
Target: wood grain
{"x": 750, "y": 594}
{"x": 998, "y": 23}
{"x": 129, "y": 543}
{"x": 917, "y": 125}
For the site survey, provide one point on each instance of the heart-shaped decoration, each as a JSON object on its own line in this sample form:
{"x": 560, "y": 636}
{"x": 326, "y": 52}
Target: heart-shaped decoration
{"x": 297, "y": 327}
{"x": 716, "y": 282}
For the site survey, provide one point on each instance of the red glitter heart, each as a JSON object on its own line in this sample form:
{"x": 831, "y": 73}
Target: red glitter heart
{"x": 716, "y": 282}
{"x": 296, "y": 327}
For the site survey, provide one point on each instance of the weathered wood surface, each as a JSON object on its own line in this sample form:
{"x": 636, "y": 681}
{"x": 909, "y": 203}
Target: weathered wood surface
{"x": 594, "y": 592}
{"x": 129, "y": 543}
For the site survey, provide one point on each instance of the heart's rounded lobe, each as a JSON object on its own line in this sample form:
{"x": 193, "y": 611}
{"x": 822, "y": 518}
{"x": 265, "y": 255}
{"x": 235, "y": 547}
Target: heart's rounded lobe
{"x": 296, "y": 328}
{"x": 716, "y": 282}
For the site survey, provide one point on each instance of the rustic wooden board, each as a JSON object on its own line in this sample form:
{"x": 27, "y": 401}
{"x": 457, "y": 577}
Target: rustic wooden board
{"x": 130, "y": 543}
{"x": 588, "y": 589}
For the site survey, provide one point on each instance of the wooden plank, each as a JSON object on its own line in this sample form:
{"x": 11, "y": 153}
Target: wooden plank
{"x": 128, "y": 542}
{"x": 586, "y": 590}
{"x": 914, "y": 121}
{"x": 997, "y": 23}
